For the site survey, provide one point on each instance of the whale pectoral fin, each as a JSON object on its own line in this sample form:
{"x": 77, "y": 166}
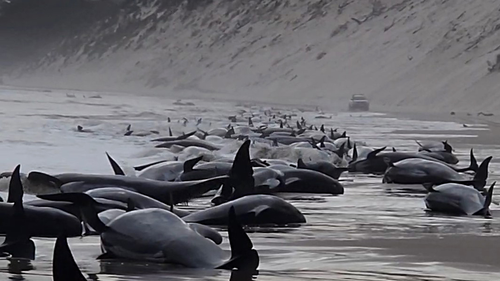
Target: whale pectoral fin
{"x": 64, "y": 267}
{"x": 259, "y": 210}
{"x": 243, "y": 256}
{"x": 374, "y": 153}
{"x": 272, "y": 183}
{"x": 207, "y": 232}
{"x": 16, "y": 191}
{"x": 114, "y": 165}
{"x": 289, "y": 181}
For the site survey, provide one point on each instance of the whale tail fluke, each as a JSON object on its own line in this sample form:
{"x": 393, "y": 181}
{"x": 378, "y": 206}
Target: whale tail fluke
{"x": 64, "y": 267}
{"x": 243, "y": 256}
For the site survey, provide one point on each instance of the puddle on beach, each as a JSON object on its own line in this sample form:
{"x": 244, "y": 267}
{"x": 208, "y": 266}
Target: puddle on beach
{"x": 39, "y": 131}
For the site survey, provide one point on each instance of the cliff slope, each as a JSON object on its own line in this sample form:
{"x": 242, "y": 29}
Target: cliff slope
{"x": 423, "y": 55}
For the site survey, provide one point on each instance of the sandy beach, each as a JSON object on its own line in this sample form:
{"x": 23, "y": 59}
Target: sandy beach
{"x": 428, "y": 68}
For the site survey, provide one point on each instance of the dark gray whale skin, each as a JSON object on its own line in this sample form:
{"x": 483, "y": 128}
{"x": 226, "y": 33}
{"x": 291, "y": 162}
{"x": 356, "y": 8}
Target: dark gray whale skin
{"x": 205, "y": 171}
{"x": 307, "y": 181}
{"x": 444, "y": 156}
{"x": 187, "y": 143}
{"x": 458, "y": 199}
{"x": 160, "y": 190}
{"x": 42, "y": 221}
{"x": 37, "y": 221}
{"x": 158, "y": 235}
{"x": 251, "y": 210}
{"x": 421, "y": 171}
{"x": 324, "y": 167}
{"x": 376, "y": 161}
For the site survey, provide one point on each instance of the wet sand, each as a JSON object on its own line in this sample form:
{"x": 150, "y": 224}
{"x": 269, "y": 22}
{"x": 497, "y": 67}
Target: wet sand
{"x": 470, "y": 252}
{"x": 372, "y": 232}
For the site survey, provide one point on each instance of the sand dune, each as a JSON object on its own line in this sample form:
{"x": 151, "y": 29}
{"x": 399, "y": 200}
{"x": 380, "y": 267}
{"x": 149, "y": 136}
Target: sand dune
{"x": 425, "y": 55}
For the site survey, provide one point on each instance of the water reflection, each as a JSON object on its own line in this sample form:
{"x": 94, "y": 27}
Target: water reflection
{"x": 321, "y": 249}
{"x": 17, "y": 266}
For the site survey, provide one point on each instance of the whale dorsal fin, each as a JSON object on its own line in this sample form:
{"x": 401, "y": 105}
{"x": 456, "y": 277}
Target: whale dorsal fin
{"x": 374, "y": 153}
{"x": 16, "y": 191}
{"x": 447, "y": 147}
{"x": 64, "y": 267}
{"x": 116, "y": 168}
{"x": 488, "y": 200}
{"x": 341, "y": 151}
{"x": 185, "y": 136}
{"x": 482, "y": 174}
{"x": 419, "y": 144}
{"x": 322, "y": 142}
{"x": 322, "y": 129}
{"x": 142, "y": 167}
{"x": 170, "y": 132}
{"x": 189, "y": 164}
{"x": 473, "y": 161}
{"x": 242, "y": 166}
{"x": 354, "y": 153}
{"x": 301, "y": 164}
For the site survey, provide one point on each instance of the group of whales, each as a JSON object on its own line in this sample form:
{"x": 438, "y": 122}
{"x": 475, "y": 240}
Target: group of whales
{"x": 137, "y": 218}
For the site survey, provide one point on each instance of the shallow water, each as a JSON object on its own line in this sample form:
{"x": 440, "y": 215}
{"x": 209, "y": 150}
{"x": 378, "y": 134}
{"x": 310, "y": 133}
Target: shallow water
{"x": 38, "y": 130}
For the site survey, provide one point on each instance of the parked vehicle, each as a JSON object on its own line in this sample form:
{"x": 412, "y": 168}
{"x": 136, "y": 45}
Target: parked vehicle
{"x": 359, "y": 103}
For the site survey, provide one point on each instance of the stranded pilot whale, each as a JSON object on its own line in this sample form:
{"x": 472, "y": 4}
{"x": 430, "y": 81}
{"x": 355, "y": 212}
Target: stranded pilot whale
{"x": 376, "y": 163}
{"x": 166, "y": 192}
{"x": 420, "y": 171}
{"x": 40, "y": 221}
{"x": 458, "y": 199}
{"x": 250, "y": 210}
{"x": 158, "y": 235}
{"x": 273, "y": 179}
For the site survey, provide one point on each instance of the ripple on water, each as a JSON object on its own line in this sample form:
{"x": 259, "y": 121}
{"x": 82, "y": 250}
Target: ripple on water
{"x": 322, "y": 249}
